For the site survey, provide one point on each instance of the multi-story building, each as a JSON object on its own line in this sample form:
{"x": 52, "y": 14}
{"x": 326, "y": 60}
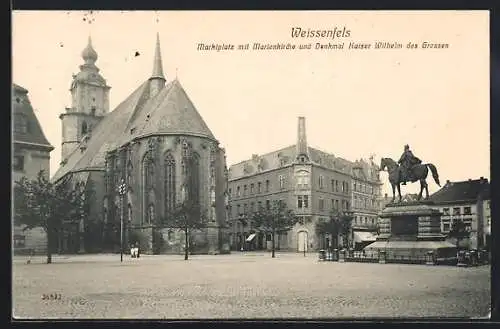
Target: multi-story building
{"x": 470, "y": 201}
{"x": 311, "y": 182}
{"x": 366, "y": 202}
{"x": 31, "y": 153}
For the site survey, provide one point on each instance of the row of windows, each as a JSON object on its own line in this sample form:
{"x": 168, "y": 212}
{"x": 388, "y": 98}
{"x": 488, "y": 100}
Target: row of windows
{"x": 303, "y": 182}
{"x": 334, "y": 185}
{"x": 249, "y": 208}
{"x": 334, "y": 204}
{"x": 190, "y": 170}
{"x": 255, "y": 189}
{"x": 457, "y": 211}
{"x": 365, "y": 203}
{"x": 447, "y": 225}
{"x": 303, "y": 202}
{"x": 364, "y": 220}
{"x": 365, "y": 188}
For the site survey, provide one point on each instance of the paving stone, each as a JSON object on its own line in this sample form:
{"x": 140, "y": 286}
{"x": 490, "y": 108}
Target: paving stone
{"x": 248, "y": 285}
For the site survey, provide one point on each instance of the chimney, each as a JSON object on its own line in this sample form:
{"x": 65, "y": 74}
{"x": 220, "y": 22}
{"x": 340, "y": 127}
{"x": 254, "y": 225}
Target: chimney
{"x": 302, "y": 148}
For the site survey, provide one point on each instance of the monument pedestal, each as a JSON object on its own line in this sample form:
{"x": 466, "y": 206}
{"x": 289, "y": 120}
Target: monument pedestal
{"x": 411, "y": 232}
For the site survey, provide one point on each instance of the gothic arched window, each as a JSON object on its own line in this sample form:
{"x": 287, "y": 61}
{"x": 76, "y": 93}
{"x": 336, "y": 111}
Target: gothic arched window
{"x": 169, "y": 183}
{"x": 148, "y": 172}
{"x": 84, "y": 128}
{"x": 194, "y": 178}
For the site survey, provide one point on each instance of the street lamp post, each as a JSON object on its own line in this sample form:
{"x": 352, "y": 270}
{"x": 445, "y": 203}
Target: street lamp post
{"x": 305, "y": 245}
{"x": 242, "y": 233}
{"x": 122, "y": 189}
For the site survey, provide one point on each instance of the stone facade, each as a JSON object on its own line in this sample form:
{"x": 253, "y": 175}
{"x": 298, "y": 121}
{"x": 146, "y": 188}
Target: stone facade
{"x": 310, "y": 181}
{"x": 156, "y": 142}
{"x": 411, "y": 231}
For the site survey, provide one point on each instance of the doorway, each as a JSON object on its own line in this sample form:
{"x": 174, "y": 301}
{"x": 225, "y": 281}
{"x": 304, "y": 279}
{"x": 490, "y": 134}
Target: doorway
{"x": 302, "y": 241}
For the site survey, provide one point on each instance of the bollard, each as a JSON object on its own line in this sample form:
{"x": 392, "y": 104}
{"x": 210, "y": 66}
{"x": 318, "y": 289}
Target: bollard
{"x": 322, "y": 255}
{"x": 429, "y": 258}
{"x": 342, "y": 256}
{"x": 461, "y": 258}
{"x": 381, "y": 257}
{"x": 473, "y": 258}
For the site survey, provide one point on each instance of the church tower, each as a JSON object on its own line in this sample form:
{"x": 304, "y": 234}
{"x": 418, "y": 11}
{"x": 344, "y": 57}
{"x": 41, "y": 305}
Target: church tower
{"x": 89, "y": 102}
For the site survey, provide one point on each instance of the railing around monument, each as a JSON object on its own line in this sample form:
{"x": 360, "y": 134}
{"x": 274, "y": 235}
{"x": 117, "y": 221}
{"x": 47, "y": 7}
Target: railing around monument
{"x": 382, "y": 256}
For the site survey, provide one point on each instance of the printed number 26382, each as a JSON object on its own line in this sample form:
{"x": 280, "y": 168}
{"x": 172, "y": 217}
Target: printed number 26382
{"x": 51, "y": 296}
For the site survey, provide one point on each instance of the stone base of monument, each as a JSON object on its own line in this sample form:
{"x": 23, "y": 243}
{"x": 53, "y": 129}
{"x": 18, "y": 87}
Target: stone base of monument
{"x": 411, "y": 233}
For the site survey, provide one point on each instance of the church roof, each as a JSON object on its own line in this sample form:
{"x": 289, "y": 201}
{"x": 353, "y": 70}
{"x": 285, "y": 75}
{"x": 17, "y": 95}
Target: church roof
{"x": 147, "y": 111}
{"x": 21, "y": 105}
{"x": 140, "y": 115}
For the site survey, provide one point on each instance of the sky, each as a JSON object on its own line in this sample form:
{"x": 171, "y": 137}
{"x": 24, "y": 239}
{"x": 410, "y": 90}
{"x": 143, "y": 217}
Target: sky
{"x": 357, "y": 102}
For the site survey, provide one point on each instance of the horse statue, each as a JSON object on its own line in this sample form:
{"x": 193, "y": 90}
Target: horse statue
{"x": 419, "y": 172}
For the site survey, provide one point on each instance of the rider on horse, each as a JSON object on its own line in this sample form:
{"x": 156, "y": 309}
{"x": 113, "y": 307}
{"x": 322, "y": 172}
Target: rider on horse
{"x": 407, "y": 161}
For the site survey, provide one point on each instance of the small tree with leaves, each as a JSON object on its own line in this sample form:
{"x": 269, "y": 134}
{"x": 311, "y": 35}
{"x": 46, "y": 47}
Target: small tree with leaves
{"x": 331, "y": 227}
{"x": 345, "y": 227}
{"x": 187, "y": 217}
{"x": 40, "y": 203}
{"x": 337, "y": 224}
{"x": 276, "y": 218}
{"x": 458, "y": 231}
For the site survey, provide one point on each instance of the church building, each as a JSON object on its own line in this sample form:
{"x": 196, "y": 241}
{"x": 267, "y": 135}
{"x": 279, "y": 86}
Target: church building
{"x": 158, "y": 144}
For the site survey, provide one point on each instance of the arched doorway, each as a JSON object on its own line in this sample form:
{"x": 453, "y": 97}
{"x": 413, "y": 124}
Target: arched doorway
{"x": 302, "y": 241}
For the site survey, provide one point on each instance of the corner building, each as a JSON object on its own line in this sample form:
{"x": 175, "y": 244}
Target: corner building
{"x": 159, "y": 144}
{"x": 311, "y": 183}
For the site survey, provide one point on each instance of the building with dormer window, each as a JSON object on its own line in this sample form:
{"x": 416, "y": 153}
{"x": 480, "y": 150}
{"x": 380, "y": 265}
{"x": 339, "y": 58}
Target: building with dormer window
{"x": 311, "y": 182}
{"x": 470, "y": 201}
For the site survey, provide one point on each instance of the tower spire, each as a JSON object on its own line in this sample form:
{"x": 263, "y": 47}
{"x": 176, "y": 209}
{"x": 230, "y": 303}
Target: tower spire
{"x": 302, "y": 148}
{"x": 157, "y": 64}
{"x": 89, "y": 55}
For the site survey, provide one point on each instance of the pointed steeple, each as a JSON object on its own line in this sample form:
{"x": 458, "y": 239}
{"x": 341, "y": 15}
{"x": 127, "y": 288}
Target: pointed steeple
{"x": 302, "y": 148}
{"x": 157, "y": 80}
{"x": 89, "y": 55}
{"x": 157, "y": 64}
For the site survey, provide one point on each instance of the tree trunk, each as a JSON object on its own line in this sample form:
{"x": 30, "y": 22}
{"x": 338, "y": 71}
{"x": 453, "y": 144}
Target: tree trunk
{"x": 186, "y": 247}
{"x": 272, "y": 239}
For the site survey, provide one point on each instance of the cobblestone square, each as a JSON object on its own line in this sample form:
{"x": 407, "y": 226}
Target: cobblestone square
{"x": 243, "y": 285}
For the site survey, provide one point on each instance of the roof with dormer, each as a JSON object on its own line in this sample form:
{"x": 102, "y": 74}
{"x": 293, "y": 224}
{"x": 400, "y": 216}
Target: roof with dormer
{"x": 286, "y": 156}
{"x": 144, "y": 113}
{"x": 21, "y": 105}
{"x": 468, "y": 190}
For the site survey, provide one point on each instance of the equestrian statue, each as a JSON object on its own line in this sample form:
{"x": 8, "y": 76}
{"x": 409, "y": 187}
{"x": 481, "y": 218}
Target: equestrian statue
{"x": 409, "y": 168}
